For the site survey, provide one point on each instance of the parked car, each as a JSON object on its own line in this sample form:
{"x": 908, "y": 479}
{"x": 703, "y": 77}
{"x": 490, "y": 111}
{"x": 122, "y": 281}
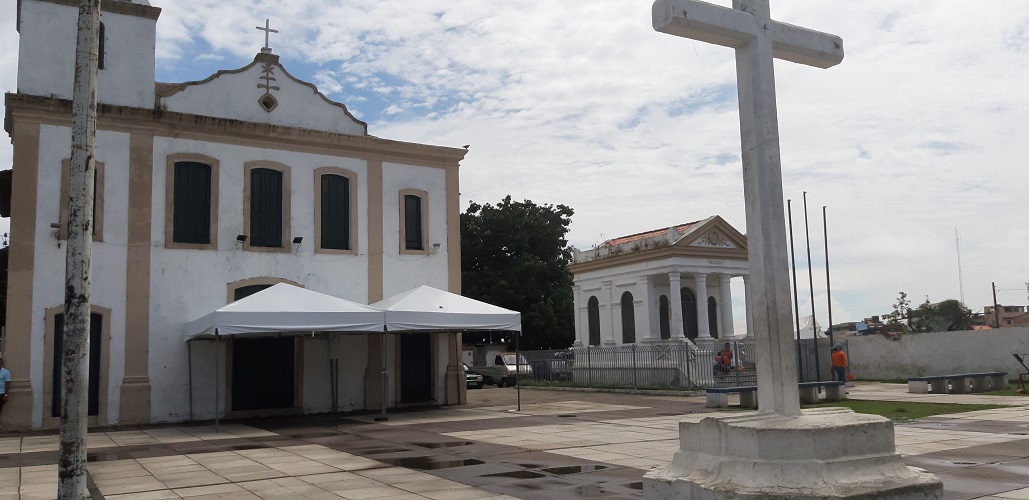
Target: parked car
{"x": 475, "y": 381}
{"x": 501, "y": 368}
{"x": 559, "y": 367}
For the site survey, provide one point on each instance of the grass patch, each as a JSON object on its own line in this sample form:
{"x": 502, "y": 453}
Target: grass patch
{"x": 1010, "y": 391}
{"x": 904, "y": 412}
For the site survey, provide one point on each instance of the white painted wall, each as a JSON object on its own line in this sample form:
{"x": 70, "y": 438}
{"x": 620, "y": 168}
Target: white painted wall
{"x": 108, "y": 256}
{"x": 236, "y": 96}
{"x": 401, "y": 272}
{"x": 48, "y": 33}
{"x": 937, "y": 353}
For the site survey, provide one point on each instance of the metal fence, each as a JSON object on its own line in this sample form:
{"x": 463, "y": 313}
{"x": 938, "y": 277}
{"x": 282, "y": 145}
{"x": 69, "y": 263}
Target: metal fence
{"x": 678, "y": 366}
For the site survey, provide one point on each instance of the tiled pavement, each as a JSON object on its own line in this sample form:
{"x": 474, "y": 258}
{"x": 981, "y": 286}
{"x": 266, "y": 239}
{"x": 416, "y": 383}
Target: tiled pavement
{"x": 560, "y": 445}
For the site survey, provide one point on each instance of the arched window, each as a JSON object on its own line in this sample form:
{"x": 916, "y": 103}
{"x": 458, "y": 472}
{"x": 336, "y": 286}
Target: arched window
{"x": 593, "y": 319}
{"x": 628, "y": 320}
{"x": 662, "y": 312}
{"x": 689, "y": 313}
{"x": 712, "y": 316}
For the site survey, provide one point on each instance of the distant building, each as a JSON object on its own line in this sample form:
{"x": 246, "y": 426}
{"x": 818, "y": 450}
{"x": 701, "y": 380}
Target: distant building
{"x": 1005, "y": 316}
{"x": 667, "y": 285}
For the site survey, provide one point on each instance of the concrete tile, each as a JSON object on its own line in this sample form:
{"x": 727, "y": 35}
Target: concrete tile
{"x": 217, "y": 489}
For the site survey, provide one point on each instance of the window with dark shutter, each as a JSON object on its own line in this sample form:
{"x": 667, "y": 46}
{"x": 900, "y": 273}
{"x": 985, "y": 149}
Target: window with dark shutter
{"x": 413, "y": 222}
{"x": 335, "y": 230}
{"x": 265, "y": 208}
{"x": 192, "y": 203}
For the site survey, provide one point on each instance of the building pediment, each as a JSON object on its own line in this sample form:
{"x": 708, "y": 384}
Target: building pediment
{"x": 264, "y": 92}
{"x": 714, "y": 233}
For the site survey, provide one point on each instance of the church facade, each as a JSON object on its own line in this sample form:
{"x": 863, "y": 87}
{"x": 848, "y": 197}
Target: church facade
{"x": 668, "y": 285}
{"x": 206, "y": 192}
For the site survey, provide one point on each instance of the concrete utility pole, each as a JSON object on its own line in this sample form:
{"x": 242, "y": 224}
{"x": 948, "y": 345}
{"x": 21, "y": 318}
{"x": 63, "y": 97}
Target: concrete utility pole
{"x": 71, "y": 469}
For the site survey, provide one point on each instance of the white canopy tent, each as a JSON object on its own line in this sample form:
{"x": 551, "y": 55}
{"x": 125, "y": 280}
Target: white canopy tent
{"x": 289, "y": 309}
{"x": 284, "y": 309}
{"x": 281, "y": 309}
{"x": 430, "y": 309}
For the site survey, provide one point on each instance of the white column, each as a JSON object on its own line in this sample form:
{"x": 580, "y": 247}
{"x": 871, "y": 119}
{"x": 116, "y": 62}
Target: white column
{"x": 607, "y": 335}
{"x": 703, "y": 328}
{"x": 581, "y": 327}
{"x": 726, "y": 329}
{"x": 644, "y": 331}
{"x": 675, "y": 307}
{"x": 747, "y": 295}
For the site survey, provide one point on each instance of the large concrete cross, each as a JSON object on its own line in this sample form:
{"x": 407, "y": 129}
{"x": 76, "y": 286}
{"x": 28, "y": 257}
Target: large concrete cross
{"x": 748, "y": 28}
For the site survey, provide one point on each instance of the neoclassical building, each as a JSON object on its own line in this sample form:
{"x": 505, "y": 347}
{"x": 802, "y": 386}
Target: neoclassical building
{"x": 205, "y": 192}
{"x": 660, "y": 286}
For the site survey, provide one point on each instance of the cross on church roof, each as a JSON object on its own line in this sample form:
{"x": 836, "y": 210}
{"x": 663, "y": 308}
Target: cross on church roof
{"x": 267, "y": 30}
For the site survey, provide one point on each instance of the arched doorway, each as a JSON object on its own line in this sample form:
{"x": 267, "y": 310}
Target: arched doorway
{"x": 712, "y": 316}
{"x": 593, "y": 320}
{"x": 663, "y": 322}
{"x": 689, "y": 313}
{"x": 628, "y": 320}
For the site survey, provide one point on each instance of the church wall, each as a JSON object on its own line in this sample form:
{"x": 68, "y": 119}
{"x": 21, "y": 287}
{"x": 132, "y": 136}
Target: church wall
{"x": 402, "y": 272}
{"x": 108, "y": 260}
{"x": 48, "y": 34}
{"x": 207, "y": 273}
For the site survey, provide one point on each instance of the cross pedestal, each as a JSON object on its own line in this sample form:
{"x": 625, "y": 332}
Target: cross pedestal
{"x": 778, "y": 452}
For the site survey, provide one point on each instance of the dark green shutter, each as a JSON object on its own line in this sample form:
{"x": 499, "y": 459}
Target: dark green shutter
{"x": 265, "y": 208}
{"x": 413, "y": 222}
{"x": 192, "y": 199}
{"x": 335, "y": 212}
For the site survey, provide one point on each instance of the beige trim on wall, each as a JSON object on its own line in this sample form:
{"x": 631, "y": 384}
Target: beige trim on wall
{"x": 24, "y": 132}
{"x": 287, "y": 201}
{"x": 453, "y": 230}
{"x": 318, "y": 173}
{"x": 98, "y": 199}
{"x": 48, "y": 357}
{"x": 169, "y": 200}
{"x": 135, "y": 387}
{"x": 260, "y": 280}
{"x": 375, "y": 244}
{"x": 403, "y": 219}
{"x": 54, "y": 111}
{"x": 118, "y": 7}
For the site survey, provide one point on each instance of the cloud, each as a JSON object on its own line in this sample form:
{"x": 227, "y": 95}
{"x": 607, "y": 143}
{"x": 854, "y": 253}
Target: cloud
{"x": 917, "y": 131}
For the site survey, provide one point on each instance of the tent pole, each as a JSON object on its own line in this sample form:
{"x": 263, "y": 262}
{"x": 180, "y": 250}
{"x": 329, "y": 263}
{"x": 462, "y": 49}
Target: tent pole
{"x": 382, "y": 347}
{"x": 189, "y": 357}
{"x": 518, "y": 369}
{"x": 217, "y": 370}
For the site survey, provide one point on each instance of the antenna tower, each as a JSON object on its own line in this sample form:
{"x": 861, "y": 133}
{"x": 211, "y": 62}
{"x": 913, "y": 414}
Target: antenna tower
{"x": 961, "y": 281}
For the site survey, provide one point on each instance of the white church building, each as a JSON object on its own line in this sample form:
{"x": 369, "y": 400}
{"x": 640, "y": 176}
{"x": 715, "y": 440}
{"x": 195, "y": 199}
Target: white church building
{"x": 668, "y": 285}
{"x": 206, "y": 192}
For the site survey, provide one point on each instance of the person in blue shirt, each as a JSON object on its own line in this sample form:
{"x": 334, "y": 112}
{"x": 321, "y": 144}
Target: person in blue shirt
{"x": 5, "y": 382}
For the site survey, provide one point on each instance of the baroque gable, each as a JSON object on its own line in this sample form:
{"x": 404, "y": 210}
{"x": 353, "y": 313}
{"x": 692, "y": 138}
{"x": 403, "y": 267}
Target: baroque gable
{"x": 264, "y": 92}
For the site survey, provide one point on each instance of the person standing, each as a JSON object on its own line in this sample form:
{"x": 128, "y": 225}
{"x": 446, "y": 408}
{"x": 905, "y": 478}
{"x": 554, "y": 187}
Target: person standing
{"x": 723, "y": 361}
{"x": 5, "y": 382}
{"x": 839, "y": 363}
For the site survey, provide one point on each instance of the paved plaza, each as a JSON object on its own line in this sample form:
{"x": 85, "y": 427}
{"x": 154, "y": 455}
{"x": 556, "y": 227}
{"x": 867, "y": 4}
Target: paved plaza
{"x": 562, "y": 444}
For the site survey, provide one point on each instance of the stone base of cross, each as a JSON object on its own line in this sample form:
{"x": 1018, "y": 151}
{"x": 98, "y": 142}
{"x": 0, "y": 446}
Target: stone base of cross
{"x": 778, "y": 452}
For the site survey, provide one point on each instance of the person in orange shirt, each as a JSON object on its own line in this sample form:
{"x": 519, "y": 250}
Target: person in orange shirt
{"x": 839, "y": 363}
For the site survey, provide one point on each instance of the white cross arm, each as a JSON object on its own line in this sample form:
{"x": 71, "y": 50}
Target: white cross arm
{"x": 719, "y": 25}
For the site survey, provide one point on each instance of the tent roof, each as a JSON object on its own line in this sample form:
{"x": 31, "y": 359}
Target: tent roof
{"x": 427, "y": 308}
{"x": 285, "y": 308}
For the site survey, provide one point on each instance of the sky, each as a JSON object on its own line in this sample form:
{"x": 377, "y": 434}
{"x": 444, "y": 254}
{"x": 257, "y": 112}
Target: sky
{"x": 915, "y": 137}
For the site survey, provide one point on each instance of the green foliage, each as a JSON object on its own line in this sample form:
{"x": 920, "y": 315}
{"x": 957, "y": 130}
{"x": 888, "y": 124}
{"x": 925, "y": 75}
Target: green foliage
{"x": 905, "y": 411}
{"x": 949, "y": 315}
{"x": 514, "y": 255}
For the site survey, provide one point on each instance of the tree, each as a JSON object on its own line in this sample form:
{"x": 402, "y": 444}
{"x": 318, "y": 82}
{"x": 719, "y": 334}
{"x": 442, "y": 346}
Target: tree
{"x": 901, "y": 311}
{"x": 514, "y": 255}
{"x": 954, "y": 315}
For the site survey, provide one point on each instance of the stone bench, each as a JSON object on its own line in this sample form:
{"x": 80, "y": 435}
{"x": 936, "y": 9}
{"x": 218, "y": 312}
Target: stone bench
{"x": 835, "y": 390}
{"x": 718, "y": 397}
{"x": 959, "y": 383}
